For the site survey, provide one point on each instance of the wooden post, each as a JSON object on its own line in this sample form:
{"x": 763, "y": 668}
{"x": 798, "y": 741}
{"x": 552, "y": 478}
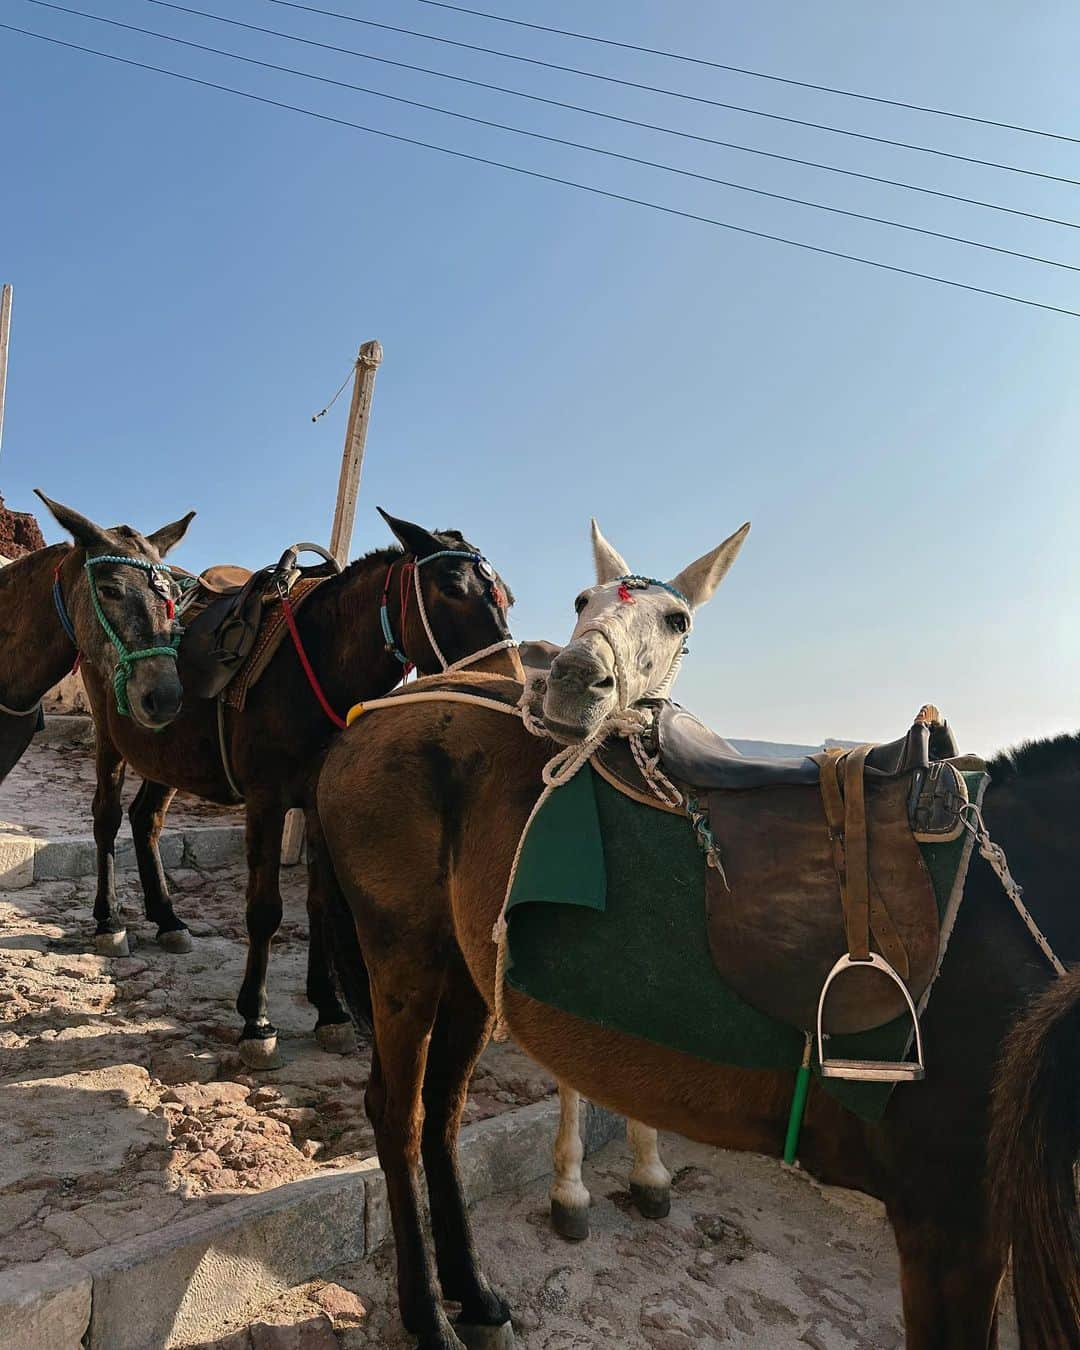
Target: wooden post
{"x": 5, "y": 338}
{"x": 368, "y": 360}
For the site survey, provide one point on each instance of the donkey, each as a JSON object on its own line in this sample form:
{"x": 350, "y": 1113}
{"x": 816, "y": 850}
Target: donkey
{"x": 976, "y": 1160}
{"x": 48, "y": 616}
{"x": 438, "y": 614}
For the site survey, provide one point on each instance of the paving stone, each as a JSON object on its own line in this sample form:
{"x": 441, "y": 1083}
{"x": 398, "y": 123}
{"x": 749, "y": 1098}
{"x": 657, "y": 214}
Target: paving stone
{"x": 44, "y": 1306}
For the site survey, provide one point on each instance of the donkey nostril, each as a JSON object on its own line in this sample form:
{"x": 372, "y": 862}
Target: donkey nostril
{"x": 603, "y": 683}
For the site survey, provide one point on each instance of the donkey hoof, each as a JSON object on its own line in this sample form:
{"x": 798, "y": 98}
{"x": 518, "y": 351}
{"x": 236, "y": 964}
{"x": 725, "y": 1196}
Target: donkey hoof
{"x": 177, "y": 940}
{"x": 651, "y": 1202}
{"x": 260, "y": 1054}
{"x": 570, "y": 1221}
{"x": 476, "y": 1337}
{"x": 112, "y": 944}
{"x": 336, "y": 1038}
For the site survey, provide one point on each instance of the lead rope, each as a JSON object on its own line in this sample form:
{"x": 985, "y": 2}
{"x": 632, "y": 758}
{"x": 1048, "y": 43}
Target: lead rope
{"x": 995, "y": 856}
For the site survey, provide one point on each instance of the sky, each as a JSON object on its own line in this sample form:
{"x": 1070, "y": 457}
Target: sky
{"x": 193, "y": 273}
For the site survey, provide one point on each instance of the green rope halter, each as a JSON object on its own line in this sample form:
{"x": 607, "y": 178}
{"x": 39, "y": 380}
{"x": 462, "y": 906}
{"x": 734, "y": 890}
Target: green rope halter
{"x": 125, "y": 659}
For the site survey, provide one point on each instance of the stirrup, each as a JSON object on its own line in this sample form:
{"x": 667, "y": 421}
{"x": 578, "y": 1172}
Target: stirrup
{"x": 870, "y": 1070}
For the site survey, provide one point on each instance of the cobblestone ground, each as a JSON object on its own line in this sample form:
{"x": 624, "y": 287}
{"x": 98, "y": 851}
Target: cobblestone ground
{"x": 753, "y": 1257}
{"x": 123, "y": 1103}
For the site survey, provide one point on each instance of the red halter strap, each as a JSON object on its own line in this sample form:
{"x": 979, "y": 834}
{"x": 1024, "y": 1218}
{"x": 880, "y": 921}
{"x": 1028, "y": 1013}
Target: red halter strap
{"x": 312, "y": 679}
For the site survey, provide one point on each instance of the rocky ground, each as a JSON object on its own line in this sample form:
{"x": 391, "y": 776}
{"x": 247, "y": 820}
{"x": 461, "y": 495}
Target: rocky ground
{"x": 123, "y": 1103}
{"x": 48, "y": 793}
{"x": 753, "y": 1257}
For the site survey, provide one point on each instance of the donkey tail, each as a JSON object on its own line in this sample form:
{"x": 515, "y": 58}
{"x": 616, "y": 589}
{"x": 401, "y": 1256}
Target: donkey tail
{"x": 347, "y": 958}
{"x": 1033, "y": 1147}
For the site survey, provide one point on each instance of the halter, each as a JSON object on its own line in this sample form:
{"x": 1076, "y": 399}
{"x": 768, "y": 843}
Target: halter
{"x": 627, "y": 585}
{"x": 125, "y": 660}
{"x": 411, "y": 571}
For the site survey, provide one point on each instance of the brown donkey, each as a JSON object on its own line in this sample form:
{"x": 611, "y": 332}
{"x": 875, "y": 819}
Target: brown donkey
{"x": 47, "y": 593}
{"x": 275, "y": 746}
{"x": 422, "y": 808}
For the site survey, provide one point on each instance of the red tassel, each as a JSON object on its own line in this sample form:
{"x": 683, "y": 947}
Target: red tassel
{"x": 625, "y": 596}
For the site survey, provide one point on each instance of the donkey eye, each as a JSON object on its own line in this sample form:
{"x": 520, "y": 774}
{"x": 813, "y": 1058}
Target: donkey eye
{"x": 111, "y": 592}
{"x": 580, "y": 603}
{"x": 679, "y": 621}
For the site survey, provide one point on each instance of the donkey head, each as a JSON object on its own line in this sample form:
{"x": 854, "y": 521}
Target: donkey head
{"x": 125, "y": 607}
{"x": 629, "y": 637}
{"x": 463, "y": 600}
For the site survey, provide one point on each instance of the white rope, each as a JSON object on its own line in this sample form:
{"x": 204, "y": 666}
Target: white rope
{"x": 995, "y": 856}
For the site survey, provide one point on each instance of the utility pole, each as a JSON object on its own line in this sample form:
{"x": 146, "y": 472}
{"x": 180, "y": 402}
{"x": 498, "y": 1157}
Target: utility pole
{"x": 368, "y": 360}
{"x": 5, "y": 338}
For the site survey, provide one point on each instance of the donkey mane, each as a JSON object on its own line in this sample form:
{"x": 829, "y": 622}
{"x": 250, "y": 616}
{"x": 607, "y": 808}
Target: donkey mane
{"x": 1036, "y": 759}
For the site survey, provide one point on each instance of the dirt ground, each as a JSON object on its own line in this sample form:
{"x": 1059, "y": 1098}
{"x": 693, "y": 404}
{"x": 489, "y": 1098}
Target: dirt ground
{"x": 123, "y": 1103}
{"x": 47, "y": 795}
{"x": 754, "y": 1256}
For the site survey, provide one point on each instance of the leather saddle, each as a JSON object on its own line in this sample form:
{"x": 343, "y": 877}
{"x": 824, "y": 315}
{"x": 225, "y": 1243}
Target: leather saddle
{"x": 816, "y": 868}
{"x": 223, "y": 613}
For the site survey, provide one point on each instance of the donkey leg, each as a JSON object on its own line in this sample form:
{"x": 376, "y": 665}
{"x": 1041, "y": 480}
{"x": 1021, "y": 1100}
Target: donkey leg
{"x": 110, "y": 938}
{"x": 650, "y": 1181}
{"x": 333, "y": 1029}
{"x": 569, "y": 1197}
{"x": 264, "y": 825}
{"x": 950, "y": 1278}
{"x": 403, "y": 1021}
{"x": 461, "y": 1030}
{"x": 147, "y": 816}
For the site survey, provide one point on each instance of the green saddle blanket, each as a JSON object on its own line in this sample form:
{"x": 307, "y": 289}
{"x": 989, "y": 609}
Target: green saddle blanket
{"x": 606, "y": 921}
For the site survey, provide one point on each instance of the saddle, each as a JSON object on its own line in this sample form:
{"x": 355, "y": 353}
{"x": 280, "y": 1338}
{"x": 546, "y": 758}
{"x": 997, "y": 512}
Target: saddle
{"x": 233, "y": 621}
{"x": 816, "y": 870}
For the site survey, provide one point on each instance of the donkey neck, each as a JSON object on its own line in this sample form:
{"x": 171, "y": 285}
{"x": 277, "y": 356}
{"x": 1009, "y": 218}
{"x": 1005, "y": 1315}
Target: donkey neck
{"x": 35, "y": 652}
{"x": 340, "y": 625}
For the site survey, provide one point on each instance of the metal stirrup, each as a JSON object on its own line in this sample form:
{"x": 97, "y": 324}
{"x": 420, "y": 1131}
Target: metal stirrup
{"x": 870, "y": 1070}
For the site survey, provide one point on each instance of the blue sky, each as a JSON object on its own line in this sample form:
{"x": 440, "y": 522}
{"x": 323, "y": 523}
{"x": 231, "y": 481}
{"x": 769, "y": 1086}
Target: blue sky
{"x": 193, "y": 273}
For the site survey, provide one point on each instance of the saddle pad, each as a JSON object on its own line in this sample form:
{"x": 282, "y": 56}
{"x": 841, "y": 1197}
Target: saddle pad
{"x": 607, "y": 922}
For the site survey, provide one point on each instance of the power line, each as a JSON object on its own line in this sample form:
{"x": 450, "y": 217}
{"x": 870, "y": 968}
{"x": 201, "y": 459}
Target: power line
{"x": 547, "y": 177}
{"x": 615, "y": 117}
{"x": 560, "y": 140}
{"x": 675, "y": 93}
{"x": 755, "y": 74}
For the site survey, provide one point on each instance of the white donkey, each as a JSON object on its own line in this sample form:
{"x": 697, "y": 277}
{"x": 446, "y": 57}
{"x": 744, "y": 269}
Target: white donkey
{"x": 646, "y": 637}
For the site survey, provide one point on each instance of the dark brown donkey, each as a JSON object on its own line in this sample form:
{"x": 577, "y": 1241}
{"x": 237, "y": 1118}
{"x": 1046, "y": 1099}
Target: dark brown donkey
{"x": 276, "y": 744}
{"x": 48, "y": 589}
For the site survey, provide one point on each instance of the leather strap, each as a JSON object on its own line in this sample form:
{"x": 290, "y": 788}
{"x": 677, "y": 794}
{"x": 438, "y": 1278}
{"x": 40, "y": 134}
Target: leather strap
{"x": 842, "y": 822}
{"x": 856, "y": 900}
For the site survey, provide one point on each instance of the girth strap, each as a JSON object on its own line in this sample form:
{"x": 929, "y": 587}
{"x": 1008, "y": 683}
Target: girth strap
{"x": 845, "y": 814}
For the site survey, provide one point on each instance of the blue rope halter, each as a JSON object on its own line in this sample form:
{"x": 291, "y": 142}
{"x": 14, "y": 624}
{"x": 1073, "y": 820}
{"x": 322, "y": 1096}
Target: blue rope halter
{"x": 384, "y": 606}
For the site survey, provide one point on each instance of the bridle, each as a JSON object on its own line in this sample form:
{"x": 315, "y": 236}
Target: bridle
{"x": 125, "y": 658}
{"x": 409, "y": 585}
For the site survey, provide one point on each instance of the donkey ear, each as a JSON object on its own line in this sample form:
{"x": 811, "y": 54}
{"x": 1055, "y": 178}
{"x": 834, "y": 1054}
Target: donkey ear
{"x": 170, "y": 535}
{"x": 81, "y": 529}
{"x": 698, "y": 581}
{"x": 609, "y": 563}
{"x": 412, "y": 538}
